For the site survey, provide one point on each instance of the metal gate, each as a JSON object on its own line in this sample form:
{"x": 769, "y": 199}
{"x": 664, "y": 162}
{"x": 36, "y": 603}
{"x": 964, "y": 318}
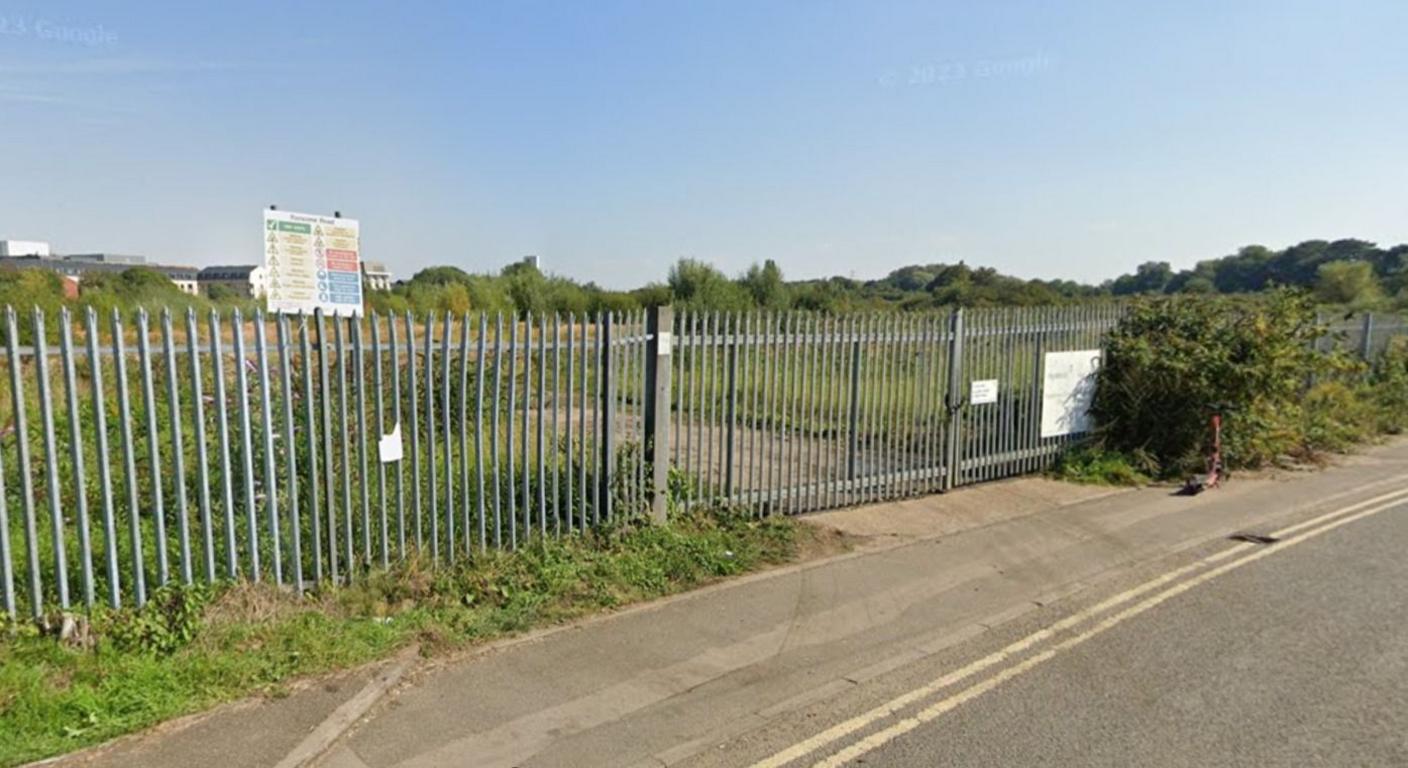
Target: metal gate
{"x": 793, "y": 412}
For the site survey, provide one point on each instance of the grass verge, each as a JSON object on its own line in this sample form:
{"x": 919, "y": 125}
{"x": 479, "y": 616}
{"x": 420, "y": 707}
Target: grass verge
{"x": 190, "y": 648}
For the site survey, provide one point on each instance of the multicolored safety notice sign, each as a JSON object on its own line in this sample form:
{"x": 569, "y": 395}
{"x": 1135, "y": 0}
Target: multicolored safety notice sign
{"x": 313, "y": 262}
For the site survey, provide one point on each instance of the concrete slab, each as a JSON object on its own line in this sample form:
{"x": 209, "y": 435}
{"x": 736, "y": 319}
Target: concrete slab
{"x": 960, "y": 510}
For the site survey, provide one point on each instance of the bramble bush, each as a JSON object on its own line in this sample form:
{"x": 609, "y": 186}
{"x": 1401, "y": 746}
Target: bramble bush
{"x": 1172, "y": 362}
{"x": 1388, "y": 381}
{"x": 168, "y": 621}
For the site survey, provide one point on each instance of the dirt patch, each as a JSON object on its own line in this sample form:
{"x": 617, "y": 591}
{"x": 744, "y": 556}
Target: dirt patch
{"x": 817, "y": 541}
{"x": 246, "y": 603}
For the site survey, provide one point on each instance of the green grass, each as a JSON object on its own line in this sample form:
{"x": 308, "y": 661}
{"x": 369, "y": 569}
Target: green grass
{"x": 193, "y": 647}
{"x": 1091, "y": 465}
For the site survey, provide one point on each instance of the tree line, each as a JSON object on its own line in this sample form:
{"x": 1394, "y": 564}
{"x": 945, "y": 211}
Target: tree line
{"x": 1352, "y": 273}
{"x": 1349, "y": 272}
{"x": 697, "y": 285}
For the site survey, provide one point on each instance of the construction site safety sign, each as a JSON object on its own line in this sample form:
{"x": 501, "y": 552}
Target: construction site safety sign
{"x": 312, "y": 262}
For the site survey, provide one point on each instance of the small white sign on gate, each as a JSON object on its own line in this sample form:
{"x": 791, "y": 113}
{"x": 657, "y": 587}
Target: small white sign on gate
{"x": 982, "y": 392}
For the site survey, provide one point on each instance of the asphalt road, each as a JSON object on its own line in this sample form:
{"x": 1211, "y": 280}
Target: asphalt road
{"x": 1298, "y": 657}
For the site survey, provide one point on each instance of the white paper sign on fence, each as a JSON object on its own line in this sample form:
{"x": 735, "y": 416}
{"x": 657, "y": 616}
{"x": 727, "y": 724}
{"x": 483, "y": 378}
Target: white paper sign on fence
{"x": 982, "y": 392}
{"x": 1067, "y": 390}
{"x": 389, "y": 447}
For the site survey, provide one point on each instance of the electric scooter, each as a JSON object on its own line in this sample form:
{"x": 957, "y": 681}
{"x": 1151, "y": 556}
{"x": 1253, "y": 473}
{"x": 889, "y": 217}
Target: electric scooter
{"x": 1215, "y": 473}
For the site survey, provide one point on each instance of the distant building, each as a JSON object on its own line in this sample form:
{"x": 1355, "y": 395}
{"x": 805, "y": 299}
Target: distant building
{"x": 375, "y": 276}
{"x": 185, "y": 278}
{"x": 532, "y": 261}
{"x": 11, "y": 248}
{"x": 247, "y": 280}
{"x": 125, "y": 259}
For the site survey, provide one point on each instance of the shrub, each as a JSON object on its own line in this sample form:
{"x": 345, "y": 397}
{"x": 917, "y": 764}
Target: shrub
{"x": 1388, "y": 382}
{"x": 166, "y": 623}
{"x": 1339, "y": 415}
{"x": 1171, "y": 362}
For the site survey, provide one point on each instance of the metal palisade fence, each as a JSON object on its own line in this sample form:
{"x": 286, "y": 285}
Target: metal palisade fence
{"x": 145, "y": 449}
{"x": 795, "y": 412}
{"x": 140, "y": 450}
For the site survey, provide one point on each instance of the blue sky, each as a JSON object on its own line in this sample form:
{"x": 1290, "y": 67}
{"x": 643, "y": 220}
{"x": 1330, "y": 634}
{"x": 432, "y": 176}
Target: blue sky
{"x": 1047, "y": 139}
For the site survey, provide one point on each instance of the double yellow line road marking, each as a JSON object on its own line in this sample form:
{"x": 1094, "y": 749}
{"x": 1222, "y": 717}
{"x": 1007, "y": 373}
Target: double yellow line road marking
{"x": 1211, "y": 567}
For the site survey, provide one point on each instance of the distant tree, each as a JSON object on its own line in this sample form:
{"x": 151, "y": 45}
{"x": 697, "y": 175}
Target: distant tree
{"x": 1351, "y": 283}
{"x": 1248, "y": 270}
{"x": 952, "y": 285}
{"x": 912, "y": 278}
{"x": 146, "y": 279}
{"x": 566, "y": 296}
{"x": 1149, "y": 277}
{"x": 614, "y": 301}
{"x": 830, "y": 296}
{"x": 487, "y": 294}
{"x": 764, "y": 283}
{"x": 1294, "y": 266}
{"x": 454, "y": 299}
{"x": 1201, "y": 284}
{"x": 527, "y": 288}
{"x": 387, "y": 302}
{"x": 697, "y": 285}
{"x": 653, "y": 295}
{"x": 221, "y": 293}
{"x": 440, "y": 276}
{"x": 1394, "y": 264}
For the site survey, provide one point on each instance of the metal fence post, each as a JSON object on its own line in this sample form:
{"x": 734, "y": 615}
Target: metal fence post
{"x": 853, "y": 418}
{"x": 21, "y": 432}
{"x": 1321, "y": 332}
{"x": 731, "y": 406}
{"x": 954, "y": 400}
{"x": 606, "y": 416}
{"x": 51, "y": 460}
{"x": 658, "y": 321}
{"x": 1366, "y": 344}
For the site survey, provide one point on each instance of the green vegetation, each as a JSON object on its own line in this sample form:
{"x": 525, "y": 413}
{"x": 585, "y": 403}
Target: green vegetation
{"x": 1172, "y": 362}
{"x": 1091, "y": 465}
{"x": 128, "y": 289}
{"x": 1350, "y": 273}
{"x": 192, "y": 647}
